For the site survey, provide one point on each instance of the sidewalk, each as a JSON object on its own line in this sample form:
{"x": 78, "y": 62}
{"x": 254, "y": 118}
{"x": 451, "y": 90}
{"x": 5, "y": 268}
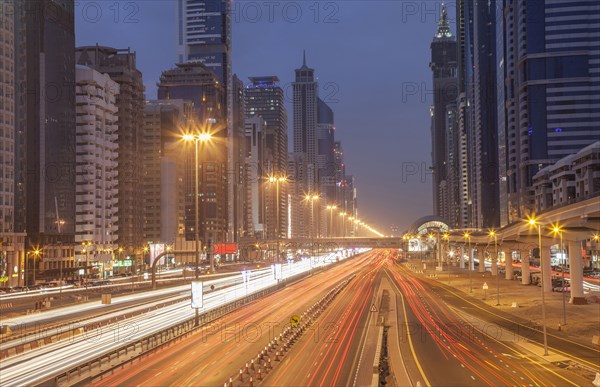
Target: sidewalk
{"x": 582, "y": 320}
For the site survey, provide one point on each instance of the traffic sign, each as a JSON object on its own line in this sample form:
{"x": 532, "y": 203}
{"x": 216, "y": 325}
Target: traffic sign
{"x": 485, "y": 286}
{"x": 295, "y": 320}
{"x": 373, "y": 308}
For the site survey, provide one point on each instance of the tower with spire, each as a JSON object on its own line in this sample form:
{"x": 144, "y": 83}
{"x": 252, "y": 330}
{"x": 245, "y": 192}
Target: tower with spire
{"x": 305, "y": 117}
{"x": 443, "y": 66}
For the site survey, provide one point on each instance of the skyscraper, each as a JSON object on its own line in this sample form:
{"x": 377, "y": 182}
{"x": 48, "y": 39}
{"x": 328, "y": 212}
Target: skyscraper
{"x": 551, "y": 74}
{"x": 12, "y": 246}
{"x": 325, "y": 134}
{"x": 264, "y": 98}
{"x": 163, "y": 166}
{"x": 443, "y": 65}
{"x": 204, "y": 36}
{"x": 121, "y": 67}
{"x": 196, "y": 82}
{"x": 50, "y": 122}
{"x": 305, "y": 90}
{"x": 255, "y": 187}
{"x": 97, "y": 151}
{"x": 476, "y": 113}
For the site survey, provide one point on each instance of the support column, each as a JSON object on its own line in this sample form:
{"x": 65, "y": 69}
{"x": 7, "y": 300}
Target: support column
{"x": 576, "y": 273}
{"x": 546, "y": 269}
{"x": 525, "y": 272}
{"x": 481, "y": 255}
{"x": 462, "y": 257}
{"x": 494, "y": 265}
{"x": 508, "y": 264}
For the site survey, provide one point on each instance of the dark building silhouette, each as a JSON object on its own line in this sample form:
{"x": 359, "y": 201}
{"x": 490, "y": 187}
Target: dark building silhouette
{"x": 443, "y": 65}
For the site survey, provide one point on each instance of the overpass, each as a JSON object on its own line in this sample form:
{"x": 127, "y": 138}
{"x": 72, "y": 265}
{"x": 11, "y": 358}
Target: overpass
{"x": 321, "y": 243}
{"x": 564, "y": 227}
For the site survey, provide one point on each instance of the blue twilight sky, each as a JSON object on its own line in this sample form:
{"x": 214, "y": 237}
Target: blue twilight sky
{"x": 371, "y": 59}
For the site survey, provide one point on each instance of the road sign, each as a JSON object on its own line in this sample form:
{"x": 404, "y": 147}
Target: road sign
{"x": 295, "y": 320}
{"x": 373, "y": 308}
{"x": 485, "y": 286}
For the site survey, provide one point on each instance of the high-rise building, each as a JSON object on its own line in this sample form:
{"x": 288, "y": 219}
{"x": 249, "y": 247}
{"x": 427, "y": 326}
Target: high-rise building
{"x": 195, "y": 82}
{"x": 47, "y": 105}
{"x": 305, "y": 90}
{"x": 120, "y": 65}
{"x": 443, "y": 65}
{"x": 204, "y": 36}
{"x": 12, "y": 244}
{"x": 265, "y": 98}
{"x": 476, "y": 113}
{"x": 256, "y": 149}
{"x": 97, "y": 151}
{"x": 325, "y": 134}
{"x": 297, "y": 210}
{"x": 163, "y": 166}
{"x": 235, "y": 175}
{"x": 550, "y": 70}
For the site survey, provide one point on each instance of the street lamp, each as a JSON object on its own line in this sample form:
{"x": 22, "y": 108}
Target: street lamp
{"x": 277, "y": 180}
{"x": 144, "y": 251}
{"x": 312, "y": 198}
{"x": 331, "y": 207}
{"x": 494, "y": 234}
{"x": 201, "y": 137}
{"x": 86, "y": 250}
{"x": 36, "y": 253}
{"x": 535, "y": 222}
{"x": 343, "y": 215}
{"x": 468, "y": 237}
{"x": 558, "y": 230}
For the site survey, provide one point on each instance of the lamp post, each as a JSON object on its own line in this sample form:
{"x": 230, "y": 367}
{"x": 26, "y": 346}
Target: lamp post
{"x": 331, "y": 207}
{"x": 277, "y": 180}
{"x": 86, "y": 250}
{"x": 468, "y": 237}
{"x": 343, "y": 215}
{"x": 493, "y": 234}
{"x": 558, "y": 230}
{"x": 36, "y": 253}
{"x": 201, "y": 137}
{"x": 534, "y": 222}
{"x": 312, "y": 198}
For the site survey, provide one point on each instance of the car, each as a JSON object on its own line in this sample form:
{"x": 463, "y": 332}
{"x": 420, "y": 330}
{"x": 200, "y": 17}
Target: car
{"x": 561, "y": 289}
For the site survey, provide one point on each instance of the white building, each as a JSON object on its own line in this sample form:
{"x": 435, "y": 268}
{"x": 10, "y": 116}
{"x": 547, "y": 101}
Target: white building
{"x": 254, "y": 162}
{"x": 96, "y": 146}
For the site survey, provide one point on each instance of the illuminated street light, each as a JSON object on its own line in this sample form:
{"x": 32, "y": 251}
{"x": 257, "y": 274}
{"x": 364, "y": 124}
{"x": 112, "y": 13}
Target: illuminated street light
{"x": 277, "y": 180}
{"x": 331, "y": 207}
{"x": 534, "y": 222}
{"x": 494, "y": 235}
{"x": 36, "y": 253}
{"x": 468, "y": 237}
{"x": 556, "y": 229}
{"x": 201, "y": 137}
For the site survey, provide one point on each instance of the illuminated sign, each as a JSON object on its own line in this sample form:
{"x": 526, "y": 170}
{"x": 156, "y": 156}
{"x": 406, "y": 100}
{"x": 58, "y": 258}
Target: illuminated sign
{"x": 197, "y": 294}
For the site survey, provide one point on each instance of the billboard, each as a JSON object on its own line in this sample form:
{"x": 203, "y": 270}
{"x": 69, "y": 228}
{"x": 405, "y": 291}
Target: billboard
{"x": 155, "y": 250}
{"x": 197, "y": 294}
{"x": 225, "y": 248}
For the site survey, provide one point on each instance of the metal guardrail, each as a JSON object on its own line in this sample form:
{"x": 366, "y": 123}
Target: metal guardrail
{"x": 107, "y": 363}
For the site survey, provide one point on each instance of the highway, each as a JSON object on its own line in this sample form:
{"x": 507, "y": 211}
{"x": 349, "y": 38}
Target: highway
{"x": 23, "y": 368}
{"x": 437, "y": 336}
{"x": 457, "y": 342}
{"x": 215, "y": 353}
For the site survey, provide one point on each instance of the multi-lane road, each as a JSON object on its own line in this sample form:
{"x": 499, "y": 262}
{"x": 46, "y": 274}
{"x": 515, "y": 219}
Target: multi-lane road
{"x": 436, "y": 335}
